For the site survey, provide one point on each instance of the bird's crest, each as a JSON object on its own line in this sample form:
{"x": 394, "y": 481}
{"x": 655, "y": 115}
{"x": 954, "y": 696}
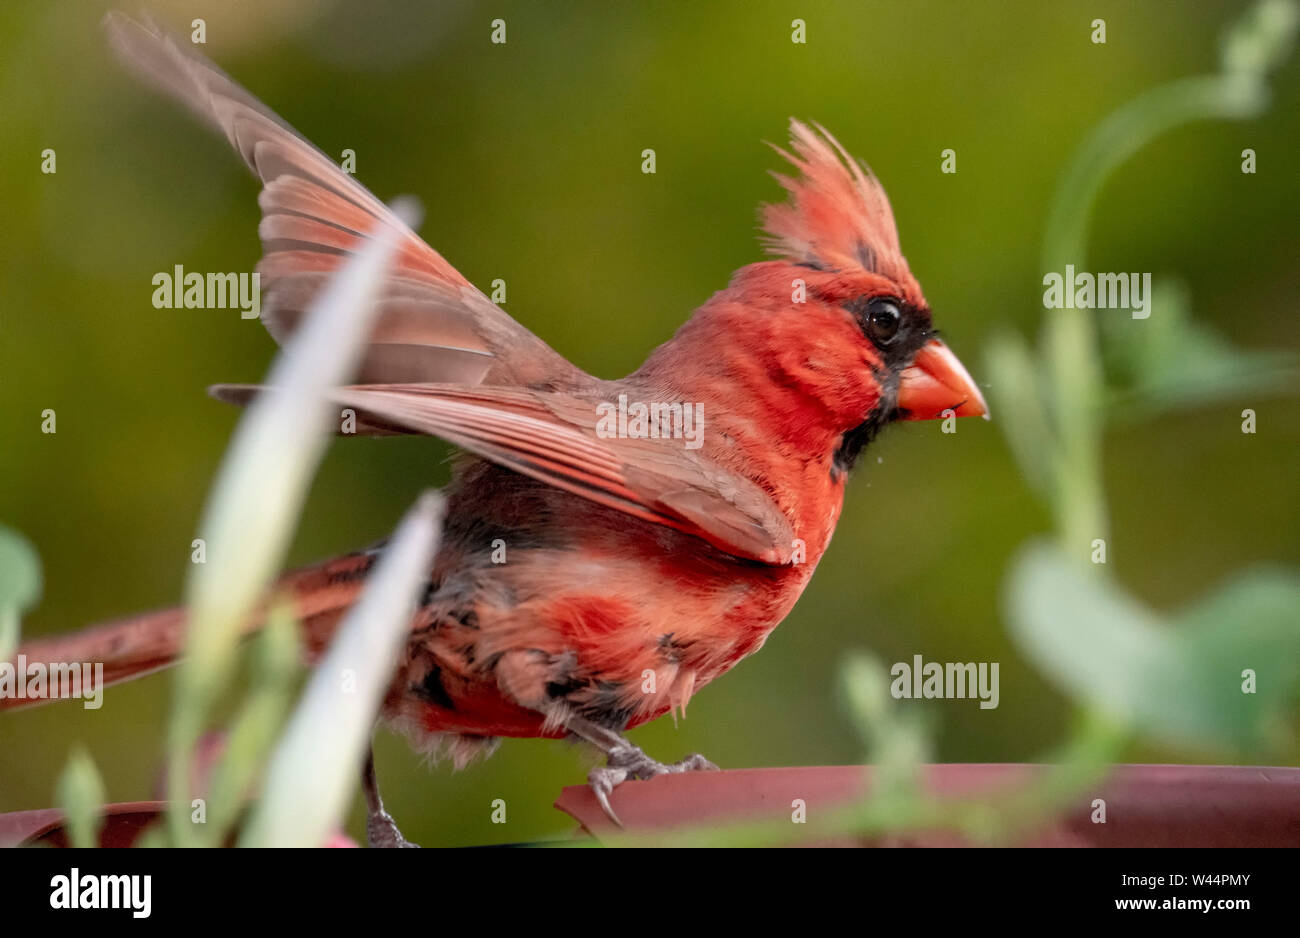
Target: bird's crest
{"x": 838, "y": 216}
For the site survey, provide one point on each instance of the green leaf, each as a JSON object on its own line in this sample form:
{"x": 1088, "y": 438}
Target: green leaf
{"x": 20, "y": 586}
{"x": 80, "y": 796}
{"x": 1252, "y": 624}
{"x": 1181, "y": 680}
{"x": 1020, "y": 408}
{"x": 254, "y": 730}
{"x": 1169, "y": 361}
{"x": 314, "y": 768}
{"x": 1261, "y": 40}
{"x": 259, "y": 494}
{"x": 896, "y": 744}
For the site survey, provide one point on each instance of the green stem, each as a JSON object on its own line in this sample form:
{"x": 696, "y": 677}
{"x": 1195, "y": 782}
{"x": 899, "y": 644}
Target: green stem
{"x": 1070, "y": 340}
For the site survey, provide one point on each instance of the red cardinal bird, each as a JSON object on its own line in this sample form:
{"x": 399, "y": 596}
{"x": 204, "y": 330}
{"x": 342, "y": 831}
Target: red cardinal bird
{"x": 639, "y": 565}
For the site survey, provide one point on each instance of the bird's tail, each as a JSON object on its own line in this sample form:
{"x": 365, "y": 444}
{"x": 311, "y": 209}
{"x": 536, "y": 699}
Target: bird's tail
{"x": 138, "y": 645}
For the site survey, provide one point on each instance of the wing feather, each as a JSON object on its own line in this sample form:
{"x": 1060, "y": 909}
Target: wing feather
{"x": 551, "y": 437}
{"x": 313, "y": 218}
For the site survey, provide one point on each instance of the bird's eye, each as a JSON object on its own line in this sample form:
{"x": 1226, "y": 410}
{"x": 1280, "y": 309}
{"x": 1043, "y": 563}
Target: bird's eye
{"x": 883, "y": 319}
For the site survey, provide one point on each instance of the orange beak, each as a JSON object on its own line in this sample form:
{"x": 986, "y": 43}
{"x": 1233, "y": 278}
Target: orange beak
{"x": 936, "y": 382}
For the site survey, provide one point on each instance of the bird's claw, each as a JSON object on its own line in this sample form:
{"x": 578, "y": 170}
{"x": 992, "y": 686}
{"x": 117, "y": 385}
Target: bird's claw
{"x": 602, "y": 781}
{"x": 630, "y": 762}
{"x": 381, "y": 831}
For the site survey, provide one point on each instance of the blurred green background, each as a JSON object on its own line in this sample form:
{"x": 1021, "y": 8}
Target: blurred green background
{"x": 527, "y": 159}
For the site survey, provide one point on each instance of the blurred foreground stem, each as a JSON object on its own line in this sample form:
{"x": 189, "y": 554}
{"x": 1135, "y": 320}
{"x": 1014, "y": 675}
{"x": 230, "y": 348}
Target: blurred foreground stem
{"x": 1258, "y": 42}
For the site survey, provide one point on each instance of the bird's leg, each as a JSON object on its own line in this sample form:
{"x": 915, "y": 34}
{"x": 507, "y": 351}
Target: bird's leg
{"x": 623, "y": 761}
{"x": 381, "y": 829}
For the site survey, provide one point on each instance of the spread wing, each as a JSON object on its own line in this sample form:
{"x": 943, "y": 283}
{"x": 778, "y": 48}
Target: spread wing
{"x": 438, "y": 342}
{"x": 433, "y": 324}
{"x": 552, "y": 437}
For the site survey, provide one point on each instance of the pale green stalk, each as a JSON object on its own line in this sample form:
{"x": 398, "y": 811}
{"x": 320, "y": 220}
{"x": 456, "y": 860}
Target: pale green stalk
{"x": 317, "y": 764}
{"x": 259, "y": 493}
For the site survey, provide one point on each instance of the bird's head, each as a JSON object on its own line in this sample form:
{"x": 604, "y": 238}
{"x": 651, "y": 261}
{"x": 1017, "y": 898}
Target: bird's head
{"x": 853, "y": 303}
